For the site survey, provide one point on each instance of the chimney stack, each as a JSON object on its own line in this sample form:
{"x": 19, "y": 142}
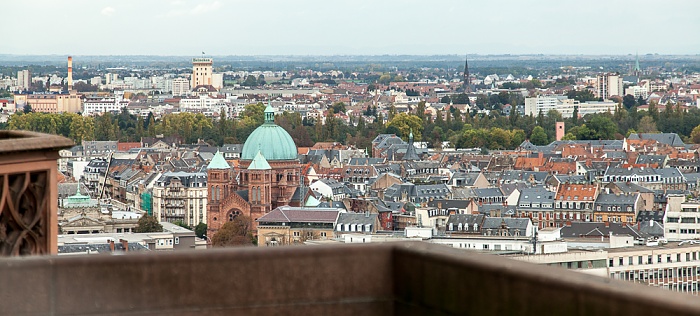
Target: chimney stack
{"x": 125, "y": 244}
{"x": 70, "y": 73}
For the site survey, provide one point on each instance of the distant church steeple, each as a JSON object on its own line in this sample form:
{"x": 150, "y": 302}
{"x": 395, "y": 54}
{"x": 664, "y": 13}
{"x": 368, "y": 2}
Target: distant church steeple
{"x": 466, "y": 80}
{"x": 637, "y": 70}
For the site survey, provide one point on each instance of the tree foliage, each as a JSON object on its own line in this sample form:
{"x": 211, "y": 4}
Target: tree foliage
{"x": 406, "y": 123}
{"x": 201, "y": 230}
{"x": 234, "y": 233}
{"x": 148, "y": 224}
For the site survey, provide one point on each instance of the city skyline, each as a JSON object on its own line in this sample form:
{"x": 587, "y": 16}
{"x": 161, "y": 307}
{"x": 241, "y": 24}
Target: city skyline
{"x": 173, "y": 28}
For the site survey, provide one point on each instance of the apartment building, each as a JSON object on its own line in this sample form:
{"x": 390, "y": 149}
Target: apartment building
{"x": 607, "y": 85}
{"x": 181, "y": 196}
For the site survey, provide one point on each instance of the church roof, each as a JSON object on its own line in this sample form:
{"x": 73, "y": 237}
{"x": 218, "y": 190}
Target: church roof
{"x": 270, "y": 138}
{"x": 218, "y": 162}
{"x": 259, "y": 162}
{"x": 411, "y": 150}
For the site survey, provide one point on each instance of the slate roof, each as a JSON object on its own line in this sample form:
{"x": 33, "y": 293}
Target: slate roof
{"x": 506, "y": 210}
{"x": 645, "y": 216}
{"x": 629, "y": 187}
{"x": 357, "y": 218}
{"x": 597, "y": 230}
{"x": 231, "y": 148}
{"x": 288, "y": 214}
{"x": 467, "y": 221}
{"x": 652, "y": 228}
{"x": 513, "y": 224}
{"x": 665, "y": 138}
{"x": 614, "y": 171}
{"x": 188, "y": 179}
{"x": 605, "y": 199}
{"x": 447, "y": 204}
{"x": 365, "y": 161}
{"x": 536, "y": 194}
{"x": 468, "y": 178}
{"x": 650, "y": 159}
{"x": 488, "y": 192}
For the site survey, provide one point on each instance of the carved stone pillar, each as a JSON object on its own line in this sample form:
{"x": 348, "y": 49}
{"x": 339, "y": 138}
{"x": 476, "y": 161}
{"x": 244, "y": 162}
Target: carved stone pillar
{"x": 29, "y": 192}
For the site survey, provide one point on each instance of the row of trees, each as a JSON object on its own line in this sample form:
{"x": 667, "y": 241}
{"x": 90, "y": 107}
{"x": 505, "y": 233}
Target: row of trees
{"x": 464, "y": 130}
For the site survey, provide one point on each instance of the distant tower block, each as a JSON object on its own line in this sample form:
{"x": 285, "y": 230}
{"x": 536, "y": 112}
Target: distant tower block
{"x": 70, "y": 73}
{"x": 201, "y": 71}
{"x": 560, "y": 130}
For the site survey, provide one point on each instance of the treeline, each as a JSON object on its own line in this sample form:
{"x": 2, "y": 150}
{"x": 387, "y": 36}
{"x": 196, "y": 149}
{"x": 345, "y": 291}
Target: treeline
{"x": 463, "y": 130}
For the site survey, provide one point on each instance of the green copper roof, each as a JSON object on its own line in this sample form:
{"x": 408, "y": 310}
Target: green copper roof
{"x": 271, "y": 139}
{"x": 269, "y": 114}
{"x": 259, "y": 163}
{"x": 79, "y": 200}
{"x": 218, "y": 162}
{"x": 312, "y": 201}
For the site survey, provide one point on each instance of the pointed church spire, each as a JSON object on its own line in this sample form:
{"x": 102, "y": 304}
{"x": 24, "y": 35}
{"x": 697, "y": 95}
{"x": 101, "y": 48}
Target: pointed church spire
{"x": 411, "y": 150}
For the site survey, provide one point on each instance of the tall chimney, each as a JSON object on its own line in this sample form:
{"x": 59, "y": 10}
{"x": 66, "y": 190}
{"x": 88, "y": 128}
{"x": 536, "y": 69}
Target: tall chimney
{"x": 70, "y": 73}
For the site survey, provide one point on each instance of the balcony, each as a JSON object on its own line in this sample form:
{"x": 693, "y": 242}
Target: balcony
{"x": 376, "y": 279}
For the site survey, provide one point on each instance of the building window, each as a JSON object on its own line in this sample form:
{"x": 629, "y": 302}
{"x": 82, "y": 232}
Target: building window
{"x": 177, "y": 240}
{"x": 323, "y": 234}
{"x": 296, "y": 234}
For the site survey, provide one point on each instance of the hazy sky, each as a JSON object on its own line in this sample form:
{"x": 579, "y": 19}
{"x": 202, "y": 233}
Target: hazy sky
{"x": 325, "y": 27}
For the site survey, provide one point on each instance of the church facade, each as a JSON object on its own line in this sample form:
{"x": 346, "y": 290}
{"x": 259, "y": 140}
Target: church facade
{"x": 268, "y": 176}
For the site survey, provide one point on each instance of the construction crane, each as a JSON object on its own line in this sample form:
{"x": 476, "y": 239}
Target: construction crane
{"x": 104, "y": 181}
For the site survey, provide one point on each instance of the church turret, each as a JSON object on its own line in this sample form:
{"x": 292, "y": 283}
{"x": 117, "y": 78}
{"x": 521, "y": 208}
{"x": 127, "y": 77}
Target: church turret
{"x": 219, "y": 176}
{"x": 411, "y": 150}
{"x": 260, "y": 183}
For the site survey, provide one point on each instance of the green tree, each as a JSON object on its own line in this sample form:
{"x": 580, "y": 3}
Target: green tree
{"x": 460, "y": 99}
{"x": 201, "y": 230}
{"x": 384, "y": 79}
{"x": 405, "y": 123}
{"x": 647, "y": 125}
{"x": 569, "y": 136}
{"x": 234, "y": 233}
{"x": 539, "y": 136}
{"x": 250, "y": 81}
{"x": 628, "y": 101}
{"x": 603, "y": 126}
{"x": 148, "y": 224}
{"x": 27, "y": 109}
{"x": 338, "y": 107}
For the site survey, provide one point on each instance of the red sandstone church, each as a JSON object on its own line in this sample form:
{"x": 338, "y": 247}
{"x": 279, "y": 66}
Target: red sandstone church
{"x": 268, "y": 177}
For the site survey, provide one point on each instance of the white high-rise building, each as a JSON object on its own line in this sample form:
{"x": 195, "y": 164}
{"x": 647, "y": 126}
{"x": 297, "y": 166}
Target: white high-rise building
{"x": 637, "y": 91}
{"x": 607, "y": 85}
{"x": 24, "y": 79}
{"x": 217, "y": 80}
{"x": 181, "y": 86}
{"x": 110, "y": 77}
{"x": 96, "y": 81}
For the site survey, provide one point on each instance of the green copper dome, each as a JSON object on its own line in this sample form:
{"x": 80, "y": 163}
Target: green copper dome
{"x": 271, "y": 139}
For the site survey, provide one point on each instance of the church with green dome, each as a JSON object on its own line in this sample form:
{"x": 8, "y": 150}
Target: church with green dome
{"x": 268, "y": 176}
